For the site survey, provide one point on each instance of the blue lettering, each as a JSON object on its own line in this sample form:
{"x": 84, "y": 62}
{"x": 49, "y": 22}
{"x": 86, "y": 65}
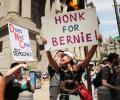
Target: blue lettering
{"x": 26, "y": 45}
{"x": 18, "y": 30}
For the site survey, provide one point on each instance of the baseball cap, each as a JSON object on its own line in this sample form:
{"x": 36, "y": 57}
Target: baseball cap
{"x": 104, "y": 58}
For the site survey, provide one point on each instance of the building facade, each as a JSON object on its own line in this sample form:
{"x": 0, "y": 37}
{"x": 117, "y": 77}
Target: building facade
{"x": 110, "y": 45}
{"x": 25, "y": 13}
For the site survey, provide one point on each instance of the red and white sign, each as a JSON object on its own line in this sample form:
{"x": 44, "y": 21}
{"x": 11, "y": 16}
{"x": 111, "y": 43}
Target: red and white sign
{"x": 71, "y": 29}
{"x": 20, "y": 44}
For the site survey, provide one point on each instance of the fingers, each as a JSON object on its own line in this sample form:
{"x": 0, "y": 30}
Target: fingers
{"x": 99, "y": 38}
{"x": 41, "y": 38}
{"x": 24, "y": 66}
{"x": 44, "y": 41}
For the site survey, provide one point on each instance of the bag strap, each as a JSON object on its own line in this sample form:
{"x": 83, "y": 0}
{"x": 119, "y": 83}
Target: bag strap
{"x": 62, "y": 87}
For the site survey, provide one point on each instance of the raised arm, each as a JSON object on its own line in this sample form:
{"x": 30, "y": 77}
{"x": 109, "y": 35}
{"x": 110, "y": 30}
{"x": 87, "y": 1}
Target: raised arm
{"x": 91, "y": 53}
{"x": 89, "y": 56}
{"x": 13, "y": 70}
{"x": 52, "y": 62}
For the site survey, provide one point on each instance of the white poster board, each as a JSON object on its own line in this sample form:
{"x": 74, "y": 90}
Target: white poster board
{"x": 20, "y": 43}
{"x": 70, "y": 29}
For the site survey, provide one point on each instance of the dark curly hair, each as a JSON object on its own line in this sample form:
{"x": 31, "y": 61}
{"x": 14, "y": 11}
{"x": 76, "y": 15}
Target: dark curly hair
{"x": 112, "y": 56}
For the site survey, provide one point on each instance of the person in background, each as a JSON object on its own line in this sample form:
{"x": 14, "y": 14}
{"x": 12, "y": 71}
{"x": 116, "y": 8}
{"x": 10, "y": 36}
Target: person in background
{"x": 104, "y": 62}
{"x": 16, "y": 81}
{"x": 60, "y": 6}
{"x": 118, "y": 79}
{"x": 109, "y": 74}
{"x": 2, "y": 87}
{"x": 54, "y": 77}
{"x": 93, "y": 75}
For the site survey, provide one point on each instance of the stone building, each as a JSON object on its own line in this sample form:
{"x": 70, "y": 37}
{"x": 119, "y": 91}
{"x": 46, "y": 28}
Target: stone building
{"x": 110, "y": 45}
{"x": 27, "y": 14}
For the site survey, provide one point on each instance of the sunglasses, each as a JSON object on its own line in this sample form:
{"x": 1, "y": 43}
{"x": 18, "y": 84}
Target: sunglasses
{"x": 58, "y": 52}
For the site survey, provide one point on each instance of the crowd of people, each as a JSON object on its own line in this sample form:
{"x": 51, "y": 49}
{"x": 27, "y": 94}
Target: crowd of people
{"x": 70, "y": 74}
{"x": 65, "y": 76}
{"x": 65, "y": 72}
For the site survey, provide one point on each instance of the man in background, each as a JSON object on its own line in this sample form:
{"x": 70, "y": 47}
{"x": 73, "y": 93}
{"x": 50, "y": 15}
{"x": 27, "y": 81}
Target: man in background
{"x": 54, "y": 77}
{"x": 109, "y": 75}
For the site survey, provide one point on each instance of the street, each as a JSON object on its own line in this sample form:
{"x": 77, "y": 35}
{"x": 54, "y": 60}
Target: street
{"x": 43, "y": 92}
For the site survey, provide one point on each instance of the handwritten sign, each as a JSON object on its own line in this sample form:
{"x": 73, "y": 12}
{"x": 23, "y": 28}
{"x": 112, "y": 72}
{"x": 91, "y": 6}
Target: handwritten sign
{"x": 71, "y": 29}
{"x": 20, "y": 44}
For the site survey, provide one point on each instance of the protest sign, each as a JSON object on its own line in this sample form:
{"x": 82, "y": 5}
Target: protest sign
{"x": 20, "y": 43}
{"x": 71, "y": 29}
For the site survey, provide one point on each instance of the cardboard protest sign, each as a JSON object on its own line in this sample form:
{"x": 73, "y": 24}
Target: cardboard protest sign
{"x": 20, "y": 43}
{"x": 71, "y": 29}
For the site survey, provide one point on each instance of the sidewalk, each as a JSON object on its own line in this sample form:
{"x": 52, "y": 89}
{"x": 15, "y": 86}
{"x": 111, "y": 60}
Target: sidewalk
{"x": 43, "y": 93}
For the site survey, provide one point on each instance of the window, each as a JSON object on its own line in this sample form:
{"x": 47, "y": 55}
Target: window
{"x": 20, "y": 8}
{"x": 1, "y": 44}
{"x": 37, "y": 10}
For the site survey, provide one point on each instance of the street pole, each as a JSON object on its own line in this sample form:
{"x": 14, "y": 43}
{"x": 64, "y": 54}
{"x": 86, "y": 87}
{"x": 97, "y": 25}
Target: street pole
{"x": 117, "y": 15}
{"x": 115, "y": 46}
{"x": 88, "y": 72}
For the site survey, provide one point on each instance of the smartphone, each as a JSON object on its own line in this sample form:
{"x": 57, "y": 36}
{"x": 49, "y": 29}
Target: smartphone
{"x": 32, "y": 76}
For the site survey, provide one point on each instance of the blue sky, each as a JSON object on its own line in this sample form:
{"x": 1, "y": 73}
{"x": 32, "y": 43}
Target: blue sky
{"x": 106, "y": 15}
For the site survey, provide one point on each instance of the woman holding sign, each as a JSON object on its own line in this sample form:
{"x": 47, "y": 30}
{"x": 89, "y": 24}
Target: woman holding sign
{"x": 70, "y": 73}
